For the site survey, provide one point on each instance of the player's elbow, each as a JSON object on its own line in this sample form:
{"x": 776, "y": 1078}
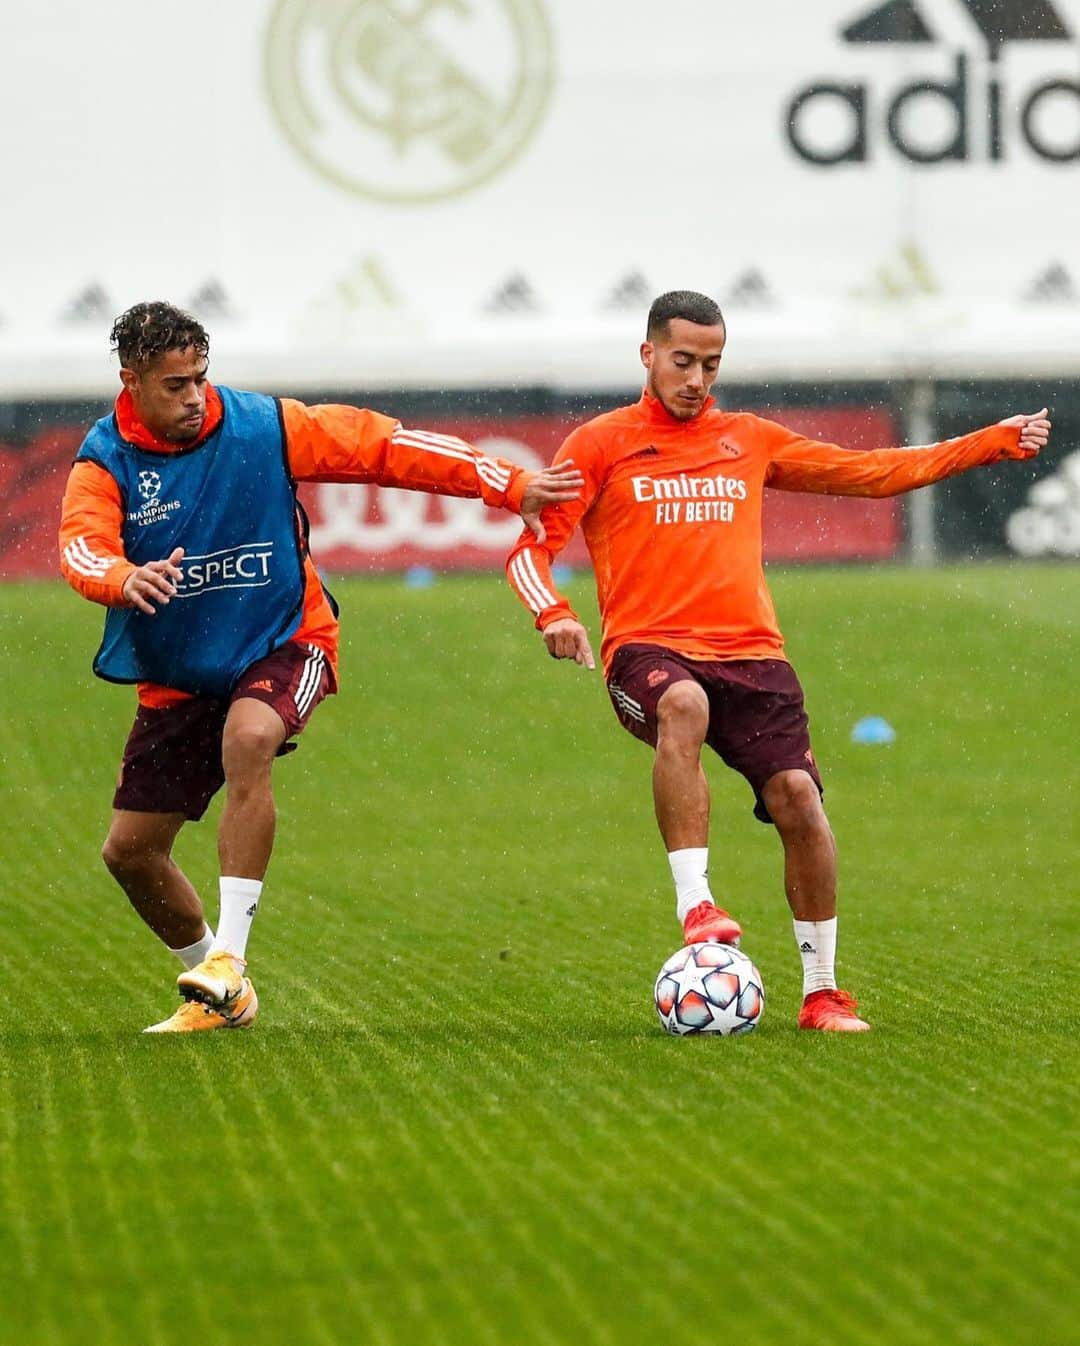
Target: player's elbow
{"x": 878, "y": 489}
{"x": 526, "y": 542}
{"x": 69, "y": 575}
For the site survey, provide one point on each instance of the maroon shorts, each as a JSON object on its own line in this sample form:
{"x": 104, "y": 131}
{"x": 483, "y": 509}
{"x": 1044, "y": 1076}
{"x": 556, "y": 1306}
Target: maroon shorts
{"x": 757, "y": 720}
{"x": 172, "y": 758}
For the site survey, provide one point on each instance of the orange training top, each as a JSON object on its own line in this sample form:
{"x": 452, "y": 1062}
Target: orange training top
{"x": 323, "y": 443}
{"x": 671, "y": 513}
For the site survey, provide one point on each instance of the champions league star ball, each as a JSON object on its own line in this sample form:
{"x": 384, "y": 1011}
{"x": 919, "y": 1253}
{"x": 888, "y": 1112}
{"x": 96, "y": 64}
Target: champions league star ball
{"x": 709, "y": 988}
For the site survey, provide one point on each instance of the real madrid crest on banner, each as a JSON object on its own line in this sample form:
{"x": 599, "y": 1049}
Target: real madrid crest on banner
{"x": 408, "y": 100}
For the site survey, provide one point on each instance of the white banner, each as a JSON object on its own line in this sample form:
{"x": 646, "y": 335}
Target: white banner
{"x": 432, "y": 192}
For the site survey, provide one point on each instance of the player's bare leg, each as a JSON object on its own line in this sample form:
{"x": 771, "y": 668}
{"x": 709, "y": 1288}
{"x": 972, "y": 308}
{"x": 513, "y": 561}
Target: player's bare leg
{"x": 680, "y": 790}
{"x": 681, "y": 799}
{"x": 252, "y": 735}
{"x": 138, "y": 854}
{"x": 794, "y": 804}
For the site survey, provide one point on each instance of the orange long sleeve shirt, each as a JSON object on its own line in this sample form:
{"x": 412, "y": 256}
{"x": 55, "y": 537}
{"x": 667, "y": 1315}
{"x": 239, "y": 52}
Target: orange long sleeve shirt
{"x": 671, "y": 513}
{"x": 323, "y": 443}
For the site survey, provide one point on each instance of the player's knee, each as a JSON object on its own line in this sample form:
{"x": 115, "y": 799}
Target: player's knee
{"x": 126, "y": 858}
{"x": 117, "y": 857}
{"x": 794, "y": 801}
{"x": 683, "y": 711}
{"x": 249, "y": 748}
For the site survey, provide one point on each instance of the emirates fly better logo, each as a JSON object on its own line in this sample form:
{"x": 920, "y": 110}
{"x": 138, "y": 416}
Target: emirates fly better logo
{"x": 836, "y": 122}
{"x": 408, "y": 100}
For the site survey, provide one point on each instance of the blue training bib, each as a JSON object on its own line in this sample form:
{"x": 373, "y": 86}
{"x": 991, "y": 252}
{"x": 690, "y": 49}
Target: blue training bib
{"x": 231, "y": 504}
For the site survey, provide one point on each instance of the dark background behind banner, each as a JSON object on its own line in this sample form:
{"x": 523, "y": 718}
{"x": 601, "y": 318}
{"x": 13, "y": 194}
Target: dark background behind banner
{"x": 970, "y": 513}
{"x": 973, "y": 509}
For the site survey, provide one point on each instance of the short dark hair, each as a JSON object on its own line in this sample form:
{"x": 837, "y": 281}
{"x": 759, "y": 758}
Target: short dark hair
{"x": 148, "y": 330}
{"x": 688, "y": 304}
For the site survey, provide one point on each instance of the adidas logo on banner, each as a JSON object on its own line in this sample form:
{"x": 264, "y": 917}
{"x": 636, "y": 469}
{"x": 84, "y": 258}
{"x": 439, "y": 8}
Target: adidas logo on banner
{"x": 976, "y": 94}
{"x": 514, "y": 295}
{"x": 211, "y": 301}
{"x": 1049, "y": 525}
{"x": 907, "y": 275}
{"x": 1053, "y": 286}
{"x": 632, "y": 292}
{"x": 999, "y": 21}
{"x": 89, "y": 305}
{"x": 750, "y": 290}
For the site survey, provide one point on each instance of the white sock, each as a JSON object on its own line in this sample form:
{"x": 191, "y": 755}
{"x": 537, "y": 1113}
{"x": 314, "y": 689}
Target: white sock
{"x": 817, "y": 949}
{"x": 193, "y": 954}
{"x": 239, "y": 903}
{"x": 690, "y": 870}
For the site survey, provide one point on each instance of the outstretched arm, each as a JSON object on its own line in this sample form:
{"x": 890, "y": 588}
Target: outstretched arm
{"x": 528, "y": 567}
{"x": 350, "y": 444}
{"x": 800, "y": 464}
{"x": 1034, "y": 431}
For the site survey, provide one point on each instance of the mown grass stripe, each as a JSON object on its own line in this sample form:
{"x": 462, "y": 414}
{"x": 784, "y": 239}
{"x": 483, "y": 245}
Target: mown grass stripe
{"x": 458, "y": 1120}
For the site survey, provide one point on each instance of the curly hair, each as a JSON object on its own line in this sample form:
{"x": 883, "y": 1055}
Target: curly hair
{"x": 688, "y": 304}
{"x": 148, "y": 330}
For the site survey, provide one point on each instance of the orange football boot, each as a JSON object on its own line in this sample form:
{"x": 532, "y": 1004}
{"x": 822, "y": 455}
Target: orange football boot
{"x": 832, "y": 1012}
{"x": 195, "y": 1017}
{"x": 217, "y": 981}
{"x": 708, "y": 923}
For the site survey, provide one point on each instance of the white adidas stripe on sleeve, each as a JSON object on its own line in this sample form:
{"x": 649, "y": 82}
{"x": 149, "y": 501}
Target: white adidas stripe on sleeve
{"x": 532, "y": 588}
{"x": 448, "y": 446}
{"x": 85, "y": 562}
{"x": 524, "y": 586}
{"x": 550, "y": 600}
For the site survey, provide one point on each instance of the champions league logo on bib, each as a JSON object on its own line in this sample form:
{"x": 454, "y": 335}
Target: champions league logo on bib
{"x": 149, "y": 485}
{"x": 152, "y": 510}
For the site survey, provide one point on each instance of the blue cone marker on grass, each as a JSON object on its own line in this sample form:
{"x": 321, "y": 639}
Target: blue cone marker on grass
{"x": 873, "y": 729}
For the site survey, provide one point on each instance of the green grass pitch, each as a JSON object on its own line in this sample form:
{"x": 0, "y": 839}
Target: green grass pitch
{"x": 457, "y": 1120}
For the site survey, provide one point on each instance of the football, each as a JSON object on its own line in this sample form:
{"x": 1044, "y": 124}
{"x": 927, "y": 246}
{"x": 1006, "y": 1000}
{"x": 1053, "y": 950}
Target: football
{"x": 709, "y": 988}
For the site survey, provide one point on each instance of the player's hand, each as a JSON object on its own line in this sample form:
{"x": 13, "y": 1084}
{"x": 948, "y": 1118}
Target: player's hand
{"x": 567, "y": 639}
{"x": 154, "y": 582}
{"x": 549, "y": 487}
{"x": 1034, "y": 433}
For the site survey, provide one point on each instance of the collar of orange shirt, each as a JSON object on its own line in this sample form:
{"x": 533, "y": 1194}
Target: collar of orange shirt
{"x": 656, "y": 413}
{"x": 135, "y": 432}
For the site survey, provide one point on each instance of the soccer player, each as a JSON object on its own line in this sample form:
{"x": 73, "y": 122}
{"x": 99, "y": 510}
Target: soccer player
{"x": 180, "y": 515}
{"x": 691, "y": 650}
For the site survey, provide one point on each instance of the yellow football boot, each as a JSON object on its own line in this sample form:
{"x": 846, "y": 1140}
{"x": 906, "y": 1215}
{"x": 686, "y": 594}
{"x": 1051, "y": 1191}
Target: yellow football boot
{"x": 195, "y": 1017}
{"x": 217, "y": 981}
